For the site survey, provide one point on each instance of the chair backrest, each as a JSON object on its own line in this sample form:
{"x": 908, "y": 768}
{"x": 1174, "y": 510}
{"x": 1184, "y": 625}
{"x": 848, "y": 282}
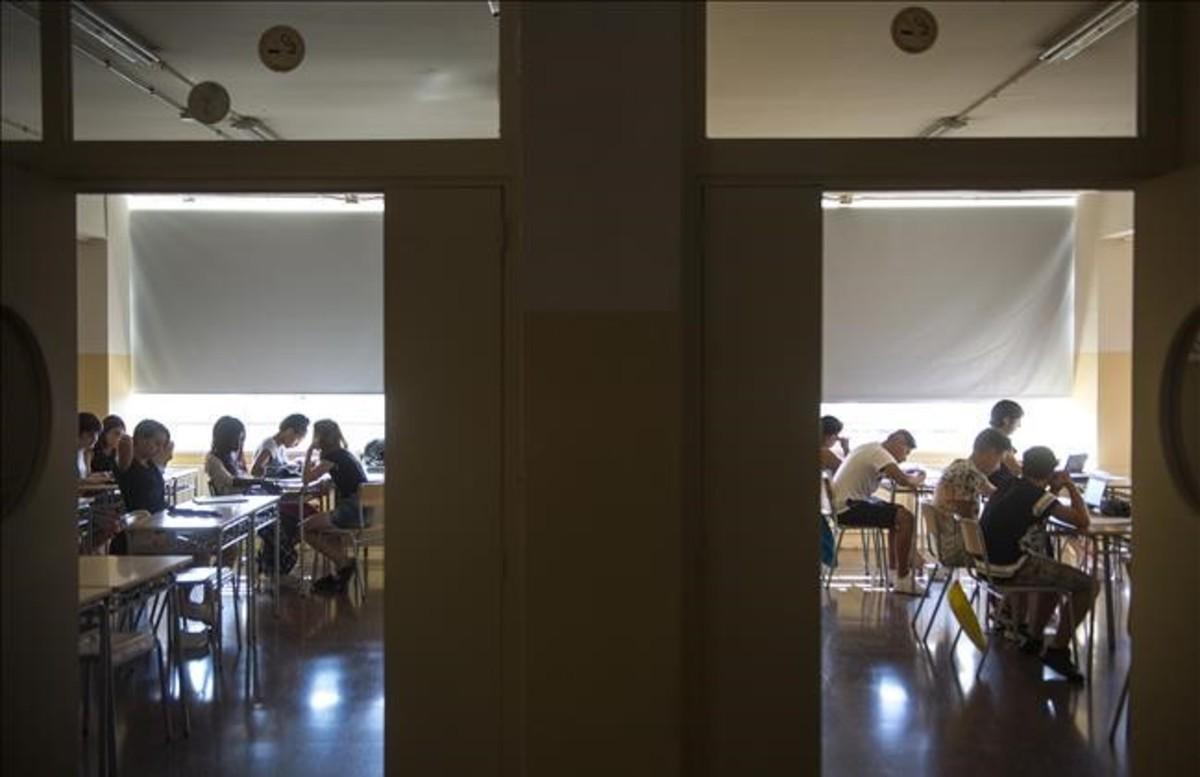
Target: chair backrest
{"x": 826, "y": 495}
{"x": 937, "y": 520}
{"x": 972, "y": 535}
{"x": 371, "y": 494}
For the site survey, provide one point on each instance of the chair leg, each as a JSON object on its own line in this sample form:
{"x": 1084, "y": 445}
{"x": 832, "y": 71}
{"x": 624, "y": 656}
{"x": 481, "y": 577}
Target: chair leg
{"x": 937, "y": 606}
{"x": 366, "y": 567}
{"x": 163, "y": 690}
{"x": 1122, "y": 704}
{"x": 87, "y": 696}
{"x": 924, "y": 596}
{"x": 837, "y": 546}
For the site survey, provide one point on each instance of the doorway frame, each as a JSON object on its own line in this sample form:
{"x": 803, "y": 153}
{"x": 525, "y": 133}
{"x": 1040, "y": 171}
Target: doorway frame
{"x": 85, "y": 167}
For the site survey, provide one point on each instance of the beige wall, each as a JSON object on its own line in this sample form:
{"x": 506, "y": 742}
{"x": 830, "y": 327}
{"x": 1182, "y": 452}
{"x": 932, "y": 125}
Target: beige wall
{"x": 92, "y": 325}
{"x": 1104, "y": 323}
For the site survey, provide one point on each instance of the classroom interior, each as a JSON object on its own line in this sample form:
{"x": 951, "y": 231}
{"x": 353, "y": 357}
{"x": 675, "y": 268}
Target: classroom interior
{"x": 580, "y": 351}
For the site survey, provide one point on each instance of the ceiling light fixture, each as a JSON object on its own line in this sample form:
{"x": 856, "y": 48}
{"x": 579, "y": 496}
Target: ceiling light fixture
{"x": 107, "y": 34}
{"x": 494, "y": 7}
{"x": 1092, "y": 30}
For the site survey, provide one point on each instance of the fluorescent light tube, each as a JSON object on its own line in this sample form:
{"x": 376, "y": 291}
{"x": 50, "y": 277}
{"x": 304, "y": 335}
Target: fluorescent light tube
{"x": 1087, "y": 34}
{"x": 107, "y": 34}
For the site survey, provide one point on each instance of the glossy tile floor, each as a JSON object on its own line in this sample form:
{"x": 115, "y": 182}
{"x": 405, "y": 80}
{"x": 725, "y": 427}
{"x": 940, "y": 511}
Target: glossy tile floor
{"x": 321, "y": 707}
{"x": 889, "y": 707}
{"x": 892, "y": 708}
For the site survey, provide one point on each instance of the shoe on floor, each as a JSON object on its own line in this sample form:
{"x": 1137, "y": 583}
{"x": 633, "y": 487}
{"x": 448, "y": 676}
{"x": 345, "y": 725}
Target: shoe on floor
{"x": 329, "y": 585}
{"x": 908, "y": 585}
{"x": 1059, "y": 659}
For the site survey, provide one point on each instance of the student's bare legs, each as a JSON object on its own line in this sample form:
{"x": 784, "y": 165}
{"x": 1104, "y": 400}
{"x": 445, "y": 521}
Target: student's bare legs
{"x": 318, "y": 533}
{"x": 901, "y": 539}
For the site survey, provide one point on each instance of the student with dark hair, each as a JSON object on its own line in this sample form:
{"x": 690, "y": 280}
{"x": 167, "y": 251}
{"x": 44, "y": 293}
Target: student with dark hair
{"x": 225, "y": 464}
{"x": 1007, "y": 520}
{"x": 964, "y": 483}
{"x": 271, "y": 456}
{"x": 1006, "y": 419}
{"x": 140, "y": 461}
{"x": 855, "y": 504}
{"x": 831, "y": 430}
{"x": 348, "y": 475}
{"x": 89, "y": 432}
{"x": 104, "y": 453}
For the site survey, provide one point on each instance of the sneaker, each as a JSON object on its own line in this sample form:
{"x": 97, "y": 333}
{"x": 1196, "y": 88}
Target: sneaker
{"x": 908, "y": 585}
{"x": 1059, "y": 659}
{"x": 329, "y": 585}
{"x": 1032, "y": 646}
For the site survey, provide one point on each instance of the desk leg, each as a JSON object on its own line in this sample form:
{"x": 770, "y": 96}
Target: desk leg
{"x": 251, "y": 610}
{"x": 1106, "y": 544}
{"x": 107, "y": 707}
{"x": 278, "y": 538}
{"x": 175, "y": 642}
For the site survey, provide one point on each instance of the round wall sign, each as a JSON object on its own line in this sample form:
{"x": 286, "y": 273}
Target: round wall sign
{"x": 914, "y": 29}
{"x": 208, "y": 102}
{"x": 24, "y": 410}
{"x": 281, "y": 48}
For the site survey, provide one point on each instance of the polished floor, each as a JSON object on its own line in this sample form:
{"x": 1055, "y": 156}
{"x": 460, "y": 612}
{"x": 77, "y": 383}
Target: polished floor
{"x": 320, "y": 710}
{"x": 889, "y": 707}
{"x": 893, "y": 708}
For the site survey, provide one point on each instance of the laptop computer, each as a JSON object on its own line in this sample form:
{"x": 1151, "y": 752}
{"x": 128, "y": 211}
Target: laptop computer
{"x": 1075, "y": 463}
{"x": 1093, "y": 494}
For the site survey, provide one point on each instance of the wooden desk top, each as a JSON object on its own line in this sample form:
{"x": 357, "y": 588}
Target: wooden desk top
{"x": 175, "y": 473}
{"x": 1098, "y": 526}
{"x": 121, "y": 573}
{"x": 89, "y": 595}
{"x": 227, "y": 513}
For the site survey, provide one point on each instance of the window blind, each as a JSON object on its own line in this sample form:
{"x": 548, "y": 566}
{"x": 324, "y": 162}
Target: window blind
{"x": 257, "y": 302}
{"x": 947, "y": 303}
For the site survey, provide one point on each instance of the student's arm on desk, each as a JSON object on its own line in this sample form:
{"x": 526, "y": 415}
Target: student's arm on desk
{"x": 902, "y": 478}
{"x": 314, "y": 471}
{"x": 1077, "y": 513}
{"x": 259, "y": 467}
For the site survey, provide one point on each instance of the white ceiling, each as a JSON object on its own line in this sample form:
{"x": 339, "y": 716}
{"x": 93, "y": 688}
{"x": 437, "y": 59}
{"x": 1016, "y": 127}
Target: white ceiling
{"x": 372, "y": 70}
{"x": 830, "y": 69}
{"x": 429, "y": 70}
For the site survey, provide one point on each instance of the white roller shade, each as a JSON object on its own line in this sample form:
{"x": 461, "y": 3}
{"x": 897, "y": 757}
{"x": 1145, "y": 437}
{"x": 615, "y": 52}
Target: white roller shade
{"x": 257, "y": 302}
{"x": 947, "y": 303}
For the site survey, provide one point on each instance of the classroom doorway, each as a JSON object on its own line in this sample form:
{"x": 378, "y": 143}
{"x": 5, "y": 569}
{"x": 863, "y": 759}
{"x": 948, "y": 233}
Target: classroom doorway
{"x": 249, "y": 327}
{"x": 946, "y": 314}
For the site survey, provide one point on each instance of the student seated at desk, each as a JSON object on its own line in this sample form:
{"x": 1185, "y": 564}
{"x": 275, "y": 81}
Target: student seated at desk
{"x": 271, "y": 457}
{"x": 225, "y": 464}
{"x": 348, "y": 475}
{"x": 1006, "y": 419}
{"x": 140, "y": 461}
{"x": 1017, "y": 555}
{"x": 834, "y": 448}
{"x": 964, "y": 483}
{"x": 89, "y": 432}
{"x": 854, "y": 501}
{"x": 104, "y": 453}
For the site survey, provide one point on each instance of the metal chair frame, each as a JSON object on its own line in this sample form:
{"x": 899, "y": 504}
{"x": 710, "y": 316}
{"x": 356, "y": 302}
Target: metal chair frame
{"x": 995, "y": 588}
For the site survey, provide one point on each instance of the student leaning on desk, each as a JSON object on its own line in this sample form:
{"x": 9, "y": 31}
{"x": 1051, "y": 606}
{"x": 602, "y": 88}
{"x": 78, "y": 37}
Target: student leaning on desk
{"x": 348, "y": 475}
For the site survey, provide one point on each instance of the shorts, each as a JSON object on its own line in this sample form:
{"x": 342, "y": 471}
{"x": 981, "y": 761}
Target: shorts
{"x": 873, "y": 514}
{"x": 1042, "y": 571}
{"x": 346, "y": 514}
